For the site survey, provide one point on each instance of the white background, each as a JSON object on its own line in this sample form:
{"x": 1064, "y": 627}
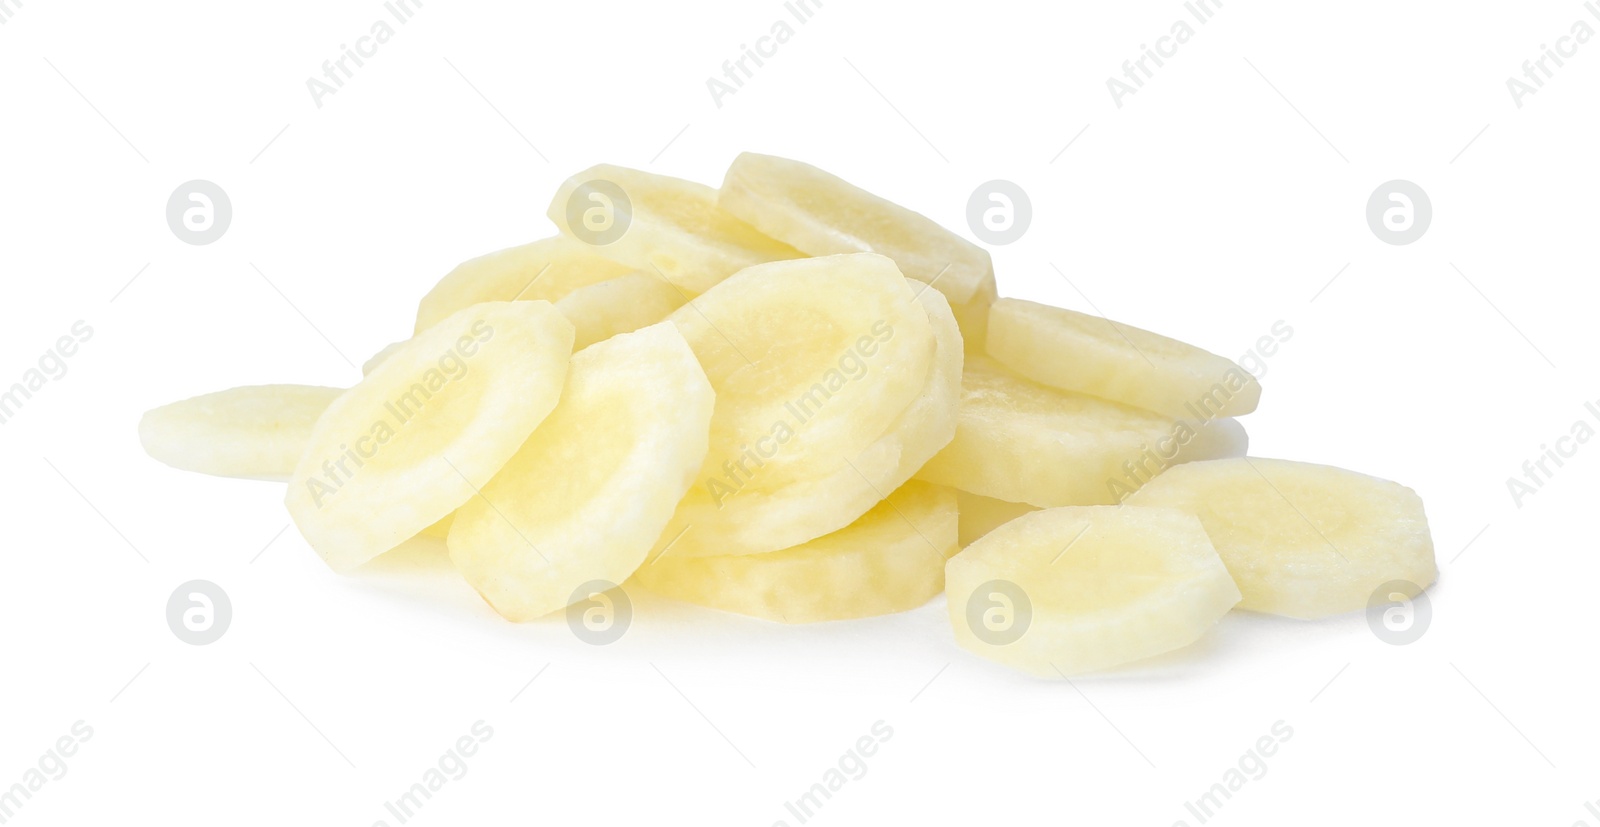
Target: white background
{"x": 1207, "y": 207}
